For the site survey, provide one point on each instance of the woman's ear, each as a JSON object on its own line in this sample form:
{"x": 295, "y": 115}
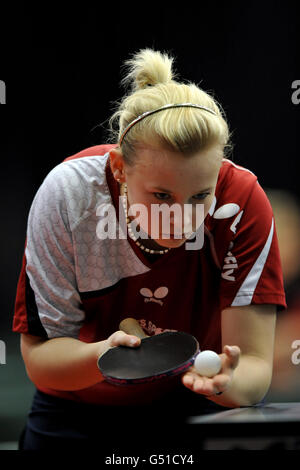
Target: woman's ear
{"x": 117, "y": 164}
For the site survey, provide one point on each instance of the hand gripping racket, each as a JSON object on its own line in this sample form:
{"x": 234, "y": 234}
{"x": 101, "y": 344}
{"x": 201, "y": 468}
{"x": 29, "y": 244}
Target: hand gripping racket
{"x": 159, "y": 356}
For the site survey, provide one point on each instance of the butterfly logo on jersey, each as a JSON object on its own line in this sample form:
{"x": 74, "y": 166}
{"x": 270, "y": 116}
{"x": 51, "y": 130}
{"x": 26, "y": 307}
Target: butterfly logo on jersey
{"x": 229, "y": 210}
{"x": 159, "y": 293}
{"x": 224, "y": 212}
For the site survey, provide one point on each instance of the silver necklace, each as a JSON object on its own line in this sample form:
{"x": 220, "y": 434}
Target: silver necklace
{"x": 132, "y": 235}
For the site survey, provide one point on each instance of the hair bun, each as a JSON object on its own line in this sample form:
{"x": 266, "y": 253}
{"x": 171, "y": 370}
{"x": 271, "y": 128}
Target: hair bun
{"x": 148, "y": 67}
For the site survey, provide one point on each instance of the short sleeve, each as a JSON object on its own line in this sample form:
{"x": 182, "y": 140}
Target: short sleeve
{"x": 251, "y": 269}
{"x": 47, "y": 298}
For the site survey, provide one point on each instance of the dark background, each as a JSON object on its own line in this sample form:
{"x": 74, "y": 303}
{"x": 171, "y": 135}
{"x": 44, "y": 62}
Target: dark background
{"x": 61, "y": 66}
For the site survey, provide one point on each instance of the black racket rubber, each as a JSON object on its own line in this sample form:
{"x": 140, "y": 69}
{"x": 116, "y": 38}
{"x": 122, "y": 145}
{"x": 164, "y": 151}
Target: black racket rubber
{"x": 158, "y": 356}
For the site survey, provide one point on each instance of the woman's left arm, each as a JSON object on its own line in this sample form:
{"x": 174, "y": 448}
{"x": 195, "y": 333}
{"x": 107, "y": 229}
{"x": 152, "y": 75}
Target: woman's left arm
{"x": 247, "y": 360}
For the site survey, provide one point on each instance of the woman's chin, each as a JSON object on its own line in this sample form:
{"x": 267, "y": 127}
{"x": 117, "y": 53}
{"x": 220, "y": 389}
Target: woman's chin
{"x": 170, "y": 242}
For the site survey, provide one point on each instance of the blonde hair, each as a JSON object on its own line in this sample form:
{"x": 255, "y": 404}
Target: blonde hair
{"x": 152, "y": 85}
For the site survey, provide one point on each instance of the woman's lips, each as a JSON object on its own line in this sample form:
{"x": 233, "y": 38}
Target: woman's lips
{"x": 178, "y": 236}
{"x": 172, "y": 235}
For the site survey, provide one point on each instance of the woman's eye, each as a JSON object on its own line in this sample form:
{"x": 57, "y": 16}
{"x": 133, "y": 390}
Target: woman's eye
{"x": 161, "y": 196}
{"x": 165, "y": 196}
{"x": 201, "y": 196}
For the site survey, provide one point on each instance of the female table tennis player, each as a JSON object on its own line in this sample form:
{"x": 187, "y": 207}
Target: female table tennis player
{"x": 76, "y": 286}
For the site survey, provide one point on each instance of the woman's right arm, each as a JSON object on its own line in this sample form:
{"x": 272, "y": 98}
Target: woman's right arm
{"x": 66, "y": 363}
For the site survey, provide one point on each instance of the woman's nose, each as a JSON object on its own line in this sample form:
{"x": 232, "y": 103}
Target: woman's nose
{"x": 182, "y": 218}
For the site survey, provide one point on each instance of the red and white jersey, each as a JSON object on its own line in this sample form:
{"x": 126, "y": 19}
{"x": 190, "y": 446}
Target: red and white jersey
{"x": 74, "y": 283}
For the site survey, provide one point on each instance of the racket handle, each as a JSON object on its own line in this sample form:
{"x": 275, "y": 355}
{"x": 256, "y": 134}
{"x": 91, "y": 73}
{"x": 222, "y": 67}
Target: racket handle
{"x": 132, "y": 327}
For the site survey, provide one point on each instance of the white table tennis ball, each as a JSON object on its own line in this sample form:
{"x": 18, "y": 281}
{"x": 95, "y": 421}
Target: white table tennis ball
{"x": 208, "y": 363}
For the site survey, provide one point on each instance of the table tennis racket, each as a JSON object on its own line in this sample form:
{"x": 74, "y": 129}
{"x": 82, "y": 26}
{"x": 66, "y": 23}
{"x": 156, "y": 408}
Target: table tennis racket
{"x": 158, "y": 356}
